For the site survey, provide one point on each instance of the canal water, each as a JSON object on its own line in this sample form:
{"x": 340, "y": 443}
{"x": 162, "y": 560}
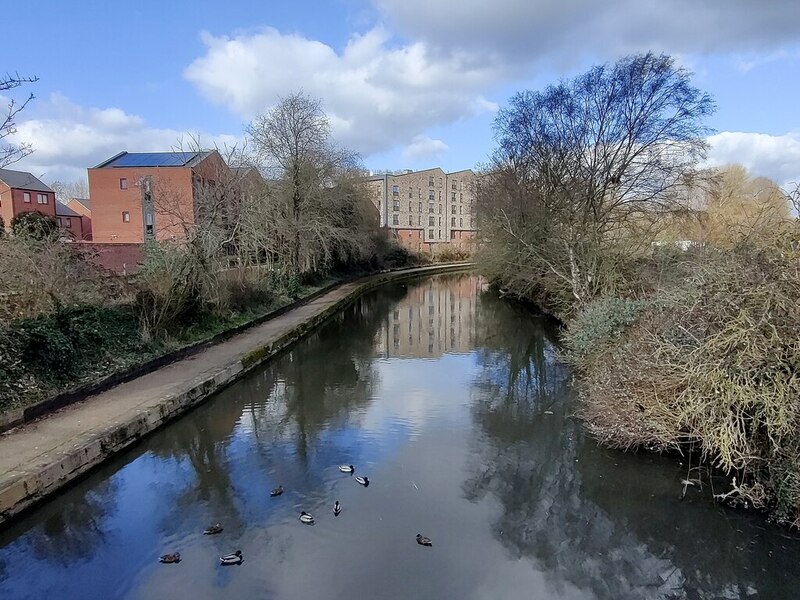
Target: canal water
{"x": 454, "y": 405}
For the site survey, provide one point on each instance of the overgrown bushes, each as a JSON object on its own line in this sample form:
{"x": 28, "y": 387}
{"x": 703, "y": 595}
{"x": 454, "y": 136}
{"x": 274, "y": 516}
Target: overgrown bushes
{"x": 712, "y": 365}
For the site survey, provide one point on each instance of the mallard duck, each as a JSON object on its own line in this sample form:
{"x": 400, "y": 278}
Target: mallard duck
{"x": 170, "y": 558}
{"x": 347, "y": 468}
{"x": 232, "y": 559}
{"x": 363, "y": 481}
{"x": 337, "y": 508}
{"x": 306, "y": 518}
{"x": 424, "y": 541}
{"x": 213, "y": 529}
{"x": 276, "y": 492}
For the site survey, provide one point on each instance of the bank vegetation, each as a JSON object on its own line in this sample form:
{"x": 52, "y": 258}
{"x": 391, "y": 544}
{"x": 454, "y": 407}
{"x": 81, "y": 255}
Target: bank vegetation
{"x": 679, "y": 285}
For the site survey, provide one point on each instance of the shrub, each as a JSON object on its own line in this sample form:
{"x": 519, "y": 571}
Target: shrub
{"x": 34, "y": 224}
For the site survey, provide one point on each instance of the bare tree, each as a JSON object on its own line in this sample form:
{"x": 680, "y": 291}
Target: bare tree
{"x": 67, "y": 190}
{"x": 584, "y": 163}
{"x": 11, "y": 152}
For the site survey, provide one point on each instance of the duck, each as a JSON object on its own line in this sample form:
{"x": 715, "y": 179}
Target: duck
{"x": 347, "y": 468}
{"x": 213, "y": 529}
{"x": 232, "y": 559}
{"x": 276, "y": 492}
{"x": 363, "y": 480}
{"x": 306, "y": 518}
{"x": 170, "y": 558}
{"x": 424, "y": 541}
{"x": 337, "y": 508}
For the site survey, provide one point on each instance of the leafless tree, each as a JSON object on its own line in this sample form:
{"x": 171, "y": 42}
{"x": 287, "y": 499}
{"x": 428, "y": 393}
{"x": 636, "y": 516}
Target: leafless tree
{"x": 584, "y": 163}
{"x": 10, "y": 151}
{"x": 67, "y": 190}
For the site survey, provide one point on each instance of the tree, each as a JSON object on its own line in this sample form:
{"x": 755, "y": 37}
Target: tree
{"x": 34, "y": 225}
{"x": 11, "y": 152}
{"x": 318, "y": 210}
{"x": 66, "y": 191}
{"x": 581, "y": 169}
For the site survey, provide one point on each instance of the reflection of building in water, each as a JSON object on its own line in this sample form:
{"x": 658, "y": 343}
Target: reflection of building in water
{"x": 435, "y": 317}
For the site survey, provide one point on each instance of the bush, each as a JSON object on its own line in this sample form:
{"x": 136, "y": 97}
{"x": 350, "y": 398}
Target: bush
{"x": 34, "y": 224}
{"x": 598, "y": 325}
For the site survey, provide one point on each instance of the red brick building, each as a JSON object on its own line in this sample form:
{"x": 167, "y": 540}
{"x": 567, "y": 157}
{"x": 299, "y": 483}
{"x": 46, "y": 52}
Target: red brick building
{"x": 71, "y": 223}
{"x": 151, "y": 195}
{"x": 83, "y": 207}
{"x": 22, "y": 192}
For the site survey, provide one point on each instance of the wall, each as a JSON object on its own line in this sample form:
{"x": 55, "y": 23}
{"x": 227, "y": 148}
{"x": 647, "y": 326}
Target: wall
{"x": 123, "y": 259}
{"x": 12, "y": 202}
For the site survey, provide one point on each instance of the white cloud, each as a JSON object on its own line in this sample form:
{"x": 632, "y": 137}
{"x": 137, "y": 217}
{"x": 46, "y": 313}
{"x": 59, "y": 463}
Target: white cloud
{"x": 376, "y": 95}
{"x": 525, "y": 30}
{"x": 68, "y": 138}
{"x": 773, "y": 156}
{"x": 422, "y": 147}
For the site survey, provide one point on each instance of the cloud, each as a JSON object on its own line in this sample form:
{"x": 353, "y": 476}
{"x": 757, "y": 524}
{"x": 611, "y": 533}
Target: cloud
{"x": 773, "y": 156}
{"x": 67, "y": 138}
{"x": 377, "y": 95}
{"x": 422, "y": 147}
{"x": 522, "y": 31}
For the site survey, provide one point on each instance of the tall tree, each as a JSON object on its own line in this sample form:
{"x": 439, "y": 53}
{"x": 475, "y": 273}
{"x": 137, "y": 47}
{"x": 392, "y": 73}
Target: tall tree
{"x": 582, "y": 162}
{"x": 11, "y": 152}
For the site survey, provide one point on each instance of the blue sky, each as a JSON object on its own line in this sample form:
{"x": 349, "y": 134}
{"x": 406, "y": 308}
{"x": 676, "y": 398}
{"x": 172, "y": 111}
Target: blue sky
{"x": 407, "y": 83}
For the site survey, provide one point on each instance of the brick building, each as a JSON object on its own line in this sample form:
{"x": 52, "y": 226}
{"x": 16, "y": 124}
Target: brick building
{"x": 151, "y": 195}
{"x": 83, "y": 207}
{"x": 22, "y": 192}
{"x": 71, "y": 223}
{"x": 426, "y": 210}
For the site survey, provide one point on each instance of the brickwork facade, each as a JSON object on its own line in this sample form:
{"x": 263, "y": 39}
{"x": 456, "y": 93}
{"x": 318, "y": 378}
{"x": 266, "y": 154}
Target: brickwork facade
{"x": 425, "y": 210}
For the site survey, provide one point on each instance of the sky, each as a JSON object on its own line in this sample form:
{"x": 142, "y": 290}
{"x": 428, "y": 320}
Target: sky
{"x": 405, "y": 83}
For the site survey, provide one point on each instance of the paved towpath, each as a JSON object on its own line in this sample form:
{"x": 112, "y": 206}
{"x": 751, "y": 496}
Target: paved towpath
{"x": 38, "y": 458}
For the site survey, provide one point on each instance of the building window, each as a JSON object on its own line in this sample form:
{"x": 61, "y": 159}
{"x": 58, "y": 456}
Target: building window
{"x": 430, "y": 180}
{"x": 395, "y": 219}
{"x": 58, "y": 220}
{"x": 430, "y": 196}
{"x": 453, "y": 222}
{"x": 410, "y": 220}
{"x": 409, "y": 207}
{"x": 396, "y": 205}
{"x": 461, "y": 197}
{"x": 461, "y": 222}
{"x": 440, "y": 182}
{"x": 148, "y": 223}
{"x": 419, "y": 220}
{"x": 26, "y": 197}
{"x": 440, "y": 195}
{"x": 453, "y": 209}
{"x": 440, "y": 221}
{"x": 41, "y": 198}
{"x": 126, "y": 216}
{"x": 420, "y": 207}
{"x": 430, "y": 208}
{"x": 453, "y": 196}
{"x": 430, "y": 233}
{"x": 123, "y": 183}
{"x": 431, "y": 221}
{"x": 395, "y": 190}
{"x": 454, "y": 185}
{"x": 69, "y": 222}
{"x": 440, "y": 233}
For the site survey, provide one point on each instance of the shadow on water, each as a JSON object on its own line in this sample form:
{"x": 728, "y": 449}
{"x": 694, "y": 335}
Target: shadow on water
{"x": 455, "y": 404}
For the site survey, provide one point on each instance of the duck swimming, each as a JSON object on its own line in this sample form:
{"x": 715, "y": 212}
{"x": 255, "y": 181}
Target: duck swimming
{"x": 276, "y": 492}
{"x": 424, "y": 541}
{"x": 232, "y": 559}
{"x": 213, "y": 529}
{"x": 363, "y": 481}
{"x": 347, "y": 468}
{"x": 337, "y": 508}
{"x": 306, "y": 518}
{"x": 170, "y": 558}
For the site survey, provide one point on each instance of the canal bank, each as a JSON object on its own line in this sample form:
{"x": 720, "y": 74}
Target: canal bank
{"x": 42, "y": 457}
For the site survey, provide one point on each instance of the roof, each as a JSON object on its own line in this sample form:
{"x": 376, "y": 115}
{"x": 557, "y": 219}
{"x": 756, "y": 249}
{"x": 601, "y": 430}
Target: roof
{"x": 153, "y": 159}
{"x": 22, "y": 180}
{"x": 84, "y": 201}
{"x": 62, "y": 210}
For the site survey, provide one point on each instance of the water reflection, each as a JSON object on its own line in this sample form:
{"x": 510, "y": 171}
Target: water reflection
{"x": 454, "y": 404}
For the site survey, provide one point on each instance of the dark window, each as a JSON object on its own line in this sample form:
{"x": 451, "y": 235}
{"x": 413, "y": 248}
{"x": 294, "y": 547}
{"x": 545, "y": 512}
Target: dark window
{"x": 440, "y": 209}
{"x": 396, "y": 205}
{"x": 126, "y": 216}
{"x": 123, "y": 184}
{"x": 430, "y": 180}
{"x": 395, "y": 219}
{"x": 395, "y": 190}
{"x": 69, "y": 222}
{"x": 58, "y": 220}
{"x": 453, "y": 222}
{"x": 410, "y": 220}
{"x": 430, "y": 233}
{"x": 461, "y": 222}
{"x": 453, "y": 196}
{"x": 454, "y": 185}
{"x": 431, "y": 221}
{"x": 420, "y": 207}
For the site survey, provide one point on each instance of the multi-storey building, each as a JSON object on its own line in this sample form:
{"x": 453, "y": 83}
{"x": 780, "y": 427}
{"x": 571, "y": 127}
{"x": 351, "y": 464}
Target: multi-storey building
{"x": 22, "y": 192}
{"x": 83, "y": 207}
{"x": 151, "y": 195}
{"x": 424, "y": 210}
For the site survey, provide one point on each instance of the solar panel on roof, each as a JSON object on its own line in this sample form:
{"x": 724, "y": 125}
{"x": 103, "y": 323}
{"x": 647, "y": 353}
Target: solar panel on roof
{"x": 152, "y": 159}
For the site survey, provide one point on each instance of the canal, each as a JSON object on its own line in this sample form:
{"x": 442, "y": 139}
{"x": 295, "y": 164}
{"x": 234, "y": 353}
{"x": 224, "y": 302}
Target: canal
{"x": 455, "y": 406}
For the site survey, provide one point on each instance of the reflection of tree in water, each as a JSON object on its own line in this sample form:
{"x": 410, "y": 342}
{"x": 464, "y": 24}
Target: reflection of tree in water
{"x": 556, "y": 506}
{"x": 70, "y": 529}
